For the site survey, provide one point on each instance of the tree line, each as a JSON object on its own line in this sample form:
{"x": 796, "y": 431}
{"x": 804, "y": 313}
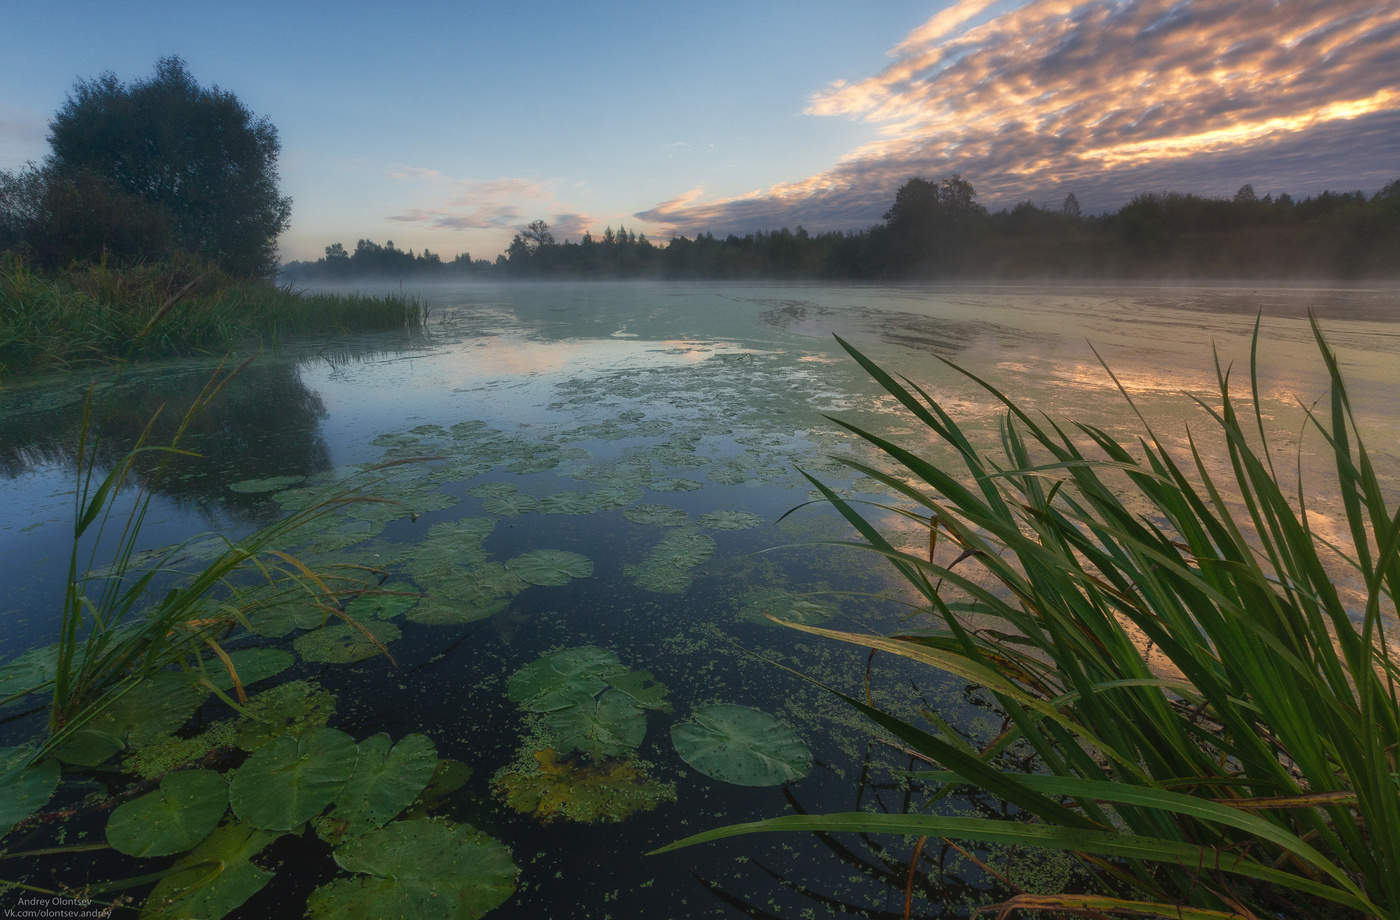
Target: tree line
{"x": 937, "y": 230}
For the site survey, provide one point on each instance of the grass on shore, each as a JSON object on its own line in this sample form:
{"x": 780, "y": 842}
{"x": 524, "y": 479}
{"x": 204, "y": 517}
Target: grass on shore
{"x": 95, "y": 314}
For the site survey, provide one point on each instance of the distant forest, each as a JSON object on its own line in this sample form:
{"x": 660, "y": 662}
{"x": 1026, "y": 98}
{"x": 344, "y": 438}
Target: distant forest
{"x": 936, "y": 230}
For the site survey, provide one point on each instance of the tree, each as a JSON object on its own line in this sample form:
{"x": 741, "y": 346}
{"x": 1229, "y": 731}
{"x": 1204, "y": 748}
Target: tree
{"x": 1070, "y": 208}
{"x": 537, "y": 235}
{"x": 197, "y": 152}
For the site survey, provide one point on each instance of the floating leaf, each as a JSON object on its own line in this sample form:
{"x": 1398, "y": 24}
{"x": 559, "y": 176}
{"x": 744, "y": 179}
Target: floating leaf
{"x": 448, "y": 776}
{"x": 214, "y": 879}
{"x": 736, "y": 744}
{"x": 584, "y": 791}
{"x": 155, "y": 707}
{"x": 418, "y": 868}
{"x": 385, "y": 782}
{"x": 381, "y": 606}
{"x": 758, "y": 605}
{"x": 292, "y": 779}
{"x": 28, "y": 671}
{"x": 442, "y": 608}
{"x": 341, "y": 643}
{"x": 553, "y": 681}
{"x": 674, "y": 485}
{"x": 568, "y": 503}
{"x": 251, "y": 665}
{"x": 616, "y": 496}
{"x": 644, "y": 689}
{"x": 178, "y": 815}
{"x": 270, "y": 484}
{"x": 730, "y": 520}
{"x": 23, "y": 788}
{"x": 609, "y": 726}
{"x": 656, "y": 515}
{"x": 550, "y": 566}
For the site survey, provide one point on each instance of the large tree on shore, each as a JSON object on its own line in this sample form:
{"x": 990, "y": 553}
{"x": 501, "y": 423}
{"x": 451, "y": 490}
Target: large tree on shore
{"x": 197, "y": 152}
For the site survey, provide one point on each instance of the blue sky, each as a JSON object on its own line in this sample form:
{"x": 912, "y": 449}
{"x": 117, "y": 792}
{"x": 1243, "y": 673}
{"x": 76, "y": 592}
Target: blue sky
{"x": 451, "y": 125}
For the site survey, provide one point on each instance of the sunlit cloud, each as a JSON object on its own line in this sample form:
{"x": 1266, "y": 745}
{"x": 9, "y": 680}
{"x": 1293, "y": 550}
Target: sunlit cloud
{"x": 570, "y": 226}
{"x": 1105, "y": 98}
{"x": 490, "y": 218}
{"x": 472, "y": 204}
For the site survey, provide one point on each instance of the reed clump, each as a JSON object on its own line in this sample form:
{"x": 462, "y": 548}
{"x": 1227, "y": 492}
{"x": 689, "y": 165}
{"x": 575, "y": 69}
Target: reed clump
{"x": 1251, "y": 767}
{"x": 95, "y": 314}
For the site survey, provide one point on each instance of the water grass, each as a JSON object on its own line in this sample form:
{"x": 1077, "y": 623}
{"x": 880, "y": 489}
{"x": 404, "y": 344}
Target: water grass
{"x": 96, "y": 314}
{"x": 123, "y": 623}
{"x": 1216, "y": 726}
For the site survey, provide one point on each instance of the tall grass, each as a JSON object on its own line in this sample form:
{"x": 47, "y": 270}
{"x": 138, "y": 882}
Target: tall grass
{"x": 1253, "y": 773}
{"x": 94, "y": 314}
{"x": 120, "y": 625}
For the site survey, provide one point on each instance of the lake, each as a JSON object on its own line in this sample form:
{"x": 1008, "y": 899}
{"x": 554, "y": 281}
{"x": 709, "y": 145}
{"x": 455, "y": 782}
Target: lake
{"x": 585, "y": 520}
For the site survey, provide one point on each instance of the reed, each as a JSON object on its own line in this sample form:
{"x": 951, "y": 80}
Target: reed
{"x": 96, "y": 314}
{"x": 1254, "y": 773}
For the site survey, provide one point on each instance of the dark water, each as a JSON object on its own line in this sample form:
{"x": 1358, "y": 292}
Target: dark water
{"x": 556, "y": 417}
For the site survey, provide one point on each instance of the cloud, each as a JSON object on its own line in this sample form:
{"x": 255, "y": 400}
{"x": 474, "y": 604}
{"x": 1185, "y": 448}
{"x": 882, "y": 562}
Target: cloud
{"x": 472, "y": 204}
{"x": 1105, "y": 98}
{"x": 496, "y": 217}
{"x": 569, "y": 226}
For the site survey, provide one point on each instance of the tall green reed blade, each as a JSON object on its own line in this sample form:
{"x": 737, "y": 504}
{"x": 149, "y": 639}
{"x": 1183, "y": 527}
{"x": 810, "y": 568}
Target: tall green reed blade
{"x": 1263, "y": 751}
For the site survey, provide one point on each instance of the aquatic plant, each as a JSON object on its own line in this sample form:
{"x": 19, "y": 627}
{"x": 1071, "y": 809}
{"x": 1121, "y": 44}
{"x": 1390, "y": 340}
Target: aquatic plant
{"x": 1216, "y": 727}
{"x": 578, "y": 789}
{"x": 741, "y": 745}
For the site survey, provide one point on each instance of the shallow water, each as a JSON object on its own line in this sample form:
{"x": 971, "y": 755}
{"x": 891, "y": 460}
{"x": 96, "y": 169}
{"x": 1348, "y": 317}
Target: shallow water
{"x": 616, "y": 422}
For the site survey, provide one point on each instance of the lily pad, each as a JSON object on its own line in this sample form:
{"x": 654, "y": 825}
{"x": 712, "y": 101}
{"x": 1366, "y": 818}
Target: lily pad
{"x": 553, "y": 681}
{"x": 550, "y": 566}
{"x": 568, "y": 503}
{"x": 291, "y": 709}
{"x": 443, "y": 607}
{"x": 153, "y": 708}
{"x": 736, "y": 744}
{"x": 386, "y": 606}
{"x": 785, "y": 606}
{"x": 251, "y": 665}
{"x": 214, "y": 879}
{"x": 608, "y": 726}
{"x": 644, "y": 689}
{"x": 584, "y": 791}
{"x": 674, "y": 485}
{"x": 23, "y": 788}
{"x": 178, "y": 815}
{"x": 730, "y": 520}
{"x": 385, "y": 781}
{"x": 656, "y": 515}
{"x": 292, "y": 779}
{"x": 418, "y": 868}
{"x": 24, "y": 673}
{"x": 341, "y": 643}
{"x": 259, "y": 486}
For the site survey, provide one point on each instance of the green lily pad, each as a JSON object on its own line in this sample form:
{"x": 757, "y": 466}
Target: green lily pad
{"x": 568, "y": 503}
{"x": 674, "y": 485}
{"x": 377, "y": 606}
{"x": 23, "y": 788}
{"x": 609, "y": 726}
{"x": 550, "y": 566}
{"x": 269, "y": 484}
{"x": 736, "y": 744}
{"x": 292, "y": 779}
{"x": 418, "y": 868}
{"x": 153, "y": 708}
{"x": 644, "y": 689}
{"x": 385, "y": 782}
{"x": 214, "y": 879}
{"x": 785, "y": 606}
{"x": 178, "y": 815}
{"x": 553, "y": 681}
{"x": 656, "y": 515}
{"x": 28, "y": 671}
{"x": 730, "y": 520}
{"x": 251, "y": 665}
{"x": 618, "y": 495}
{"x": 341, "y": 643}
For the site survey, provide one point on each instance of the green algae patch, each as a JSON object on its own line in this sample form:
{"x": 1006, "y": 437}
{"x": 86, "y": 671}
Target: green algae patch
{"x": 214, "y": 879}
{"x": 418, "y": 868}
{"x": 588, "y": 792}
{"x": 291, "y": 780}
{"x": 342, "y": 643}
{"x": 24, "y": 788}
{"x": 178, "y": 815}
{"x": 740, "y": 745}
{"x": 291, "y": 709}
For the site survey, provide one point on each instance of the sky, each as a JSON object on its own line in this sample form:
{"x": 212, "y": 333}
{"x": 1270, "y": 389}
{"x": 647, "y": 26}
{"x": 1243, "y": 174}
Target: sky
{"x": 449, "y": 126}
